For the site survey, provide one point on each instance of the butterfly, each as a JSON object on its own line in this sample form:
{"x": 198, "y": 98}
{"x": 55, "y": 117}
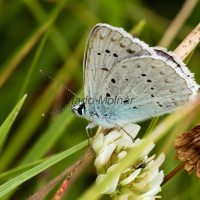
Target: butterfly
{"x": 126, "y": 81}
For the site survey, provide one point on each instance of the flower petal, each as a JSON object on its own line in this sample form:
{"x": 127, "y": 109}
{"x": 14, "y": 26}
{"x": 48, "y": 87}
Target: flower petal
{"x": 130, "y": 178}
{"x": 108, "y": 188}
{"x": 98, "y": 142}
{"x": 104, "y": 156}
{"x": 111, "y": 137}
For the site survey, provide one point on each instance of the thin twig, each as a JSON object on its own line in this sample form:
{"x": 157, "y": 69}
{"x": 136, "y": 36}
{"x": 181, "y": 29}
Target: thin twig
{"x": 41, "y": 194}
{"x": 177, "y": 23}
{"x": 173, "y": 173}
{"x": 189, "y": 43}
{"x": 73, "y": 174}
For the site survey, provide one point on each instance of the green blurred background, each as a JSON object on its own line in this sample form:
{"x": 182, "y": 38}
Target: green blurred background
{"x": 28, "y": 43}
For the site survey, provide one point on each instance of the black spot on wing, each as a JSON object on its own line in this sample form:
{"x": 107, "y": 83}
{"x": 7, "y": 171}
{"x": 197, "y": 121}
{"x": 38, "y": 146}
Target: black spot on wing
{"x": 122, "y": 45}
{"x": 138, "y": 66}
{"x": 159, "y": 104}
{"x": 104, "y": 69}
{"x": 130, "y": 51}
{"x": 126, "y": 101}
{"x": 113, "y": 80}
{"x": 152, "y": 95}
{"x": 108, "y": 95}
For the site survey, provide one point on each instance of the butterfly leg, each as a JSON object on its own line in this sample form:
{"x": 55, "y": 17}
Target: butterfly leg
{"x": 89, "y": 128}
{"x": 121, "y": 128}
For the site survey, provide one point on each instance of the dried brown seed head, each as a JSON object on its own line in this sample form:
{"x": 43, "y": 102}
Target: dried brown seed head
{"x": 188, "y": 150}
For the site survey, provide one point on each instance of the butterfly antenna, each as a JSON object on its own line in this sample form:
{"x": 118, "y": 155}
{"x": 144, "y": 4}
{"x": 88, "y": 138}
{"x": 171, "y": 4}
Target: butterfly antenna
{"x": 57, "y": 111}
{"x": 49, "y": 77}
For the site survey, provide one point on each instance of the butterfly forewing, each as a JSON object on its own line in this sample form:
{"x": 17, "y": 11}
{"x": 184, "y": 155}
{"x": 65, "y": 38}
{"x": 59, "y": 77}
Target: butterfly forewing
{"x": 106, "y": 46}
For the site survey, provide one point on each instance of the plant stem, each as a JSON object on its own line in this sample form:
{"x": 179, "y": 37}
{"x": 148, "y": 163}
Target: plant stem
{"x": 189, "y": 43}
{"x": 173, "y": 173}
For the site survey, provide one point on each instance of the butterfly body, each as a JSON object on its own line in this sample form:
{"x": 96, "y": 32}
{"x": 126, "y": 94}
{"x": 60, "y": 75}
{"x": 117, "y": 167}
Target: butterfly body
{"x": 128, "y": 81}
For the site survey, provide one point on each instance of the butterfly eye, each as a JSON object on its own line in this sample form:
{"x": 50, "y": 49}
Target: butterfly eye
{"x": 81, "y": 109}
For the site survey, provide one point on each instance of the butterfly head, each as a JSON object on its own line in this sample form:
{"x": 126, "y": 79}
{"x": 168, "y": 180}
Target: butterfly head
{"x": 79, "y": 109}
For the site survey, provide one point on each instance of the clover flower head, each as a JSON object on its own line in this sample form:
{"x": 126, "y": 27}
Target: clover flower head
{"x": 141, "y": 180}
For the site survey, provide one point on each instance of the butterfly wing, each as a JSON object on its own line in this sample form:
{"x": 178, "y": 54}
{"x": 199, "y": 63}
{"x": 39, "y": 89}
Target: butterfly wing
{"x": 106, "y": 46}
{"x": 143, "y": 87}
{"x": 143, "y": 81}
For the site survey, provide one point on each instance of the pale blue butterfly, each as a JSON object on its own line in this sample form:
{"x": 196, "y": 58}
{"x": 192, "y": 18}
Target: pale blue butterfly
{"x": 126, "y": 81}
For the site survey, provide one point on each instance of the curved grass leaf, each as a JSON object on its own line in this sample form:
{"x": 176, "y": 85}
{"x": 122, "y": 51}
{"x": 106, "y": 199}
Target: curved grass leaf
{"x": 13, "y": 183}
{"x": 5, "y": 127}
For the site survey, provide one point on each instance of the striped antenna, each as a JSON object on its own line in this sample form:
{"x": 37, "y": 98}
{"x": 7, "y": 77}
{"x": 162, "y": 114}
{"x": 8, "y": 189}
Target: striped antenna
{"x": 57, "y": 111}
{"x": 59, "y": 83}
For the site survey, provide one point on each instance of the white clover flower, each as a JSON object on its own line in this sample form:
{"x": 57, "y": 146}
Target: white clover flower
{"x": 141, "y": 180}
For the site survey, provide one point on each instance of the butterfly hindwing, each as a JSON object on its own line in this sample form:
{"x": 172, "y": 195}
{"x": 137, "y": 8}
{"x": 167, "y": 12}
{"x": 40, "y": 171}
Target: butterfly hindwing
{"x": 142, "y": 87}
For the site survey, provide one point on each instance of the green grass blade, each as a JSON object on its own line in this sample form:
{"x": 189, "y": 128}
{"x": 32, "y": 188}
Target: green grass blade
{"x": 152, "y": 125}
{"x": 16, "y": 58}
{"x": 57, "y": 39}
{"x": 49, "y": 137}
{"x": 20, "y": 169}
{"x": 51, "y": 20}
{"x": 34, "y": 118}
{"x": 5, "y": 127}
{"x": 13, "y": 183}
